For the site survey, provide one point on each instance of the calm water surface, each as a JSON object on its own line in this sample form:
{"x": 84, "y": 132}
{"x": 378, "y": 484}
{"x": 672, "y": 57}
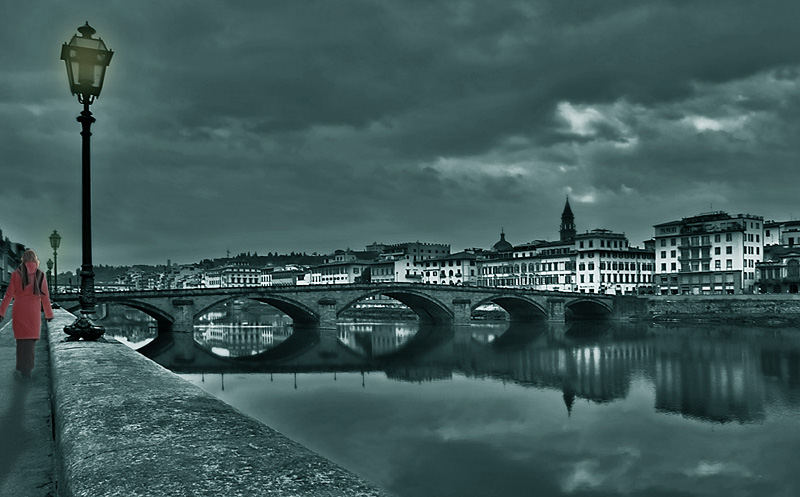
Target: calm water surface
{"x": 539, "y": 410}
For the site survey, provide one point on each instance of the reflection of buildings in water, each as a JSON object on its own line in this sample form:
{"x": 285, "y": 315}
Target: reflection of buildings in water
{"x": 383, "y": 338}
{"x": 133, "y": 332}
{"x": 714, "y": 380}
{"x": 598, "y": 372}
{"x": 718, "y": 381}
{"x": 245, "y": 312}
{"x": 782, "y": 365}
{"x": 212, "y": 316}
{"x": 419, "y": 374}
{"x": 240, "y": 340}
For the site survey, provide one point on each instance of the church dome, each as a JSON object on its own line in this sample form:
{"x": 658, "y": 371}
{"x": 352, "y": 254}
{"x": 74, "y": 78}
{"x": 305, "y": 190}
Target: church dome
{"x": 502, "y": 245}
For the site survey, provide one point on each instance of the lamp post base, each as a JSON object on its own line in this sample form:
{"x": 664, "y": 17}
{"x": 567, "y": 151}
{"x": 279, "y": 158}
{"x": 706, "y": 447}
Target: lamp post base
{"x": 84, "y": 328}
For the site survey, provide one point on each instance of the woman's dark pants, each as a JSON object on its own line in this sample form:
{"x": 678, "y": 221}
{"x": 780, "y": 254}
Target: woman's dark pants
{"x": 25, "y": 348}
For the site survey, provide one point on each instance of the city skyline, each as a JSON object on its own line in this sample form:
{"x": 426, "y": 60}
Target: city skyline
{"x": 316, "y": 127}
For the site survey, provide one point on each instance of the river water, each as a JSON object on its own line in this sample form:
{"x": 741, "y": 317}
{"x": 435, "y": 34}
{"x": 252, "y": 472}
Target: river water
{"x": 542, "y": 410}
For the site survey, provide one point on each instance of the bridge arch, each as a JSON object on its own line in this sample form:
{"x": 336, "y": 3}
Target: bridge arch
{"x": 162, "y": 317}
{"x": 588, "y": 308}
{"x": 519, "y": 308}
{"x": 299, "y": 312}
{"x": 428, "y": 308}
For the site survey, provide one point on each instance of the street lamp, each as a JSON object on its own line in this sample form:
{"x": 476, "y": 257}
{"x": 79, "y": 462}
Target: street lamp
{"x": 55, "y": 242}
{"x": 49, "y": 272}
{"x": 86, "y": 59}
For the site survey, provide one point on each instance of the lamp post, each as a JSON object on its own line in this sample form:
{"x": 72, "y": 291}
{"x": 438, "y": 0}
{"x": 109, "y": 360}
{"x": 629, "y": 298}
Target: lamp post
{"x": 86, "y": 59}
{"x": 55, "y": 242}
{"x": 49, "y": 272}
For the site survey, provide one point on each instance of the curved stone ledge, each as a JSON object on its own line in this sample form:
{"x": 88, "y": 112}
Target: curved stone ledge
{"x": 125, "y": 426}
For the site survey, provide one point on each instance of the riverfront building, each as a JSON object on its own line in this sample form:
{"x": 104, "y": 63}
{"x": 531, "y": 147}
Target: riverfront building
{"x": 598, "y": 261}
{"x": 10, "y": 257}
{"x": 779, "y": 272}
{"x": 232, "y": 275}
{"x": 416, "y": 250}
{"x": 453, "y": 269}
{"x": 784, "y": 233}
{"x": 606, "y": 263}
{"x": 712, "y": 253}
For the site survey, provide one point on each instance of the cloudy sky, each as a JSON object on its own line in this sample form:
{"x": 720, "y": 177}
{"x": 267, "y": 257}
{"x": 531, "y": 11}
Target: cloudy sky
{"x": 311, "y": 125}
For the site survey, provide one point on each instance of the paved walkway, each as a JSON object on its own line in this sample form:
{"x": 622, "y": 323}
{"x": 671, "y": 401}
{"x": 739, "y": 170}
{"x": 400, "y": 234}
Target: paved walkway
{"x": 26, "y": 443}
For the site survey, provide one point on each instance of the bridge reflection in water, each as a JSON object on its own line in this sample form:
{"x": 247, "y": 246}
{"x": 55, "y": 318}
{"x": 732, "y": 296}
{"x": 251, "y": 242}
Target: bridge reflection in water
{"x": 714, "y": 374}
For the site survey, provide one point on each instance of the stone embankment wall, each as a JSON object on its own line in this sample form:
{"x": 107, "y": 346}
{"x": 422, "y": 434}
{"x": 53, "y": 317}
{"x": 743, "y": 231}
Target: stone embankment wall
{"x": 757, "y": 309}
{"x": 125, "y": 426}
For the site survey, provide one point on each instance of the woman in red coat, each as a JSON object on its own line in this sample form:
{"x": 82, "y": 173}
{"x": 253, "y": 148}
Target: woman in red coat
{"x": 28, "y": 289}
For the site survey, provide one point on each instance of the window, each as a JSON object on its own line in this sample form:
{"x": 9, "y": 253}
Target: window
{"x": 728, "y": 249}
{"x": 717, "y": 264}
{"x": 695, "y": 240}
{"x": 591, "y": 266}
{"x": 706, "y": 240}
{"x": 581, "y": 244}
{"x": 663, "y": 254}
{"x": 673, "y": 241}
{"x": 672, "y": 253}
{"x": 581, "y": 278}
{"x": 663, "y": 242}
{"x": 716, "y": 238}
{"x": 767, "y": 233}
{"x": 663, "y": 266}
{"x": 758, "y": 238}
{"x": 591, "y": 278}
{"x": 728, "y": 264}
{"x": 728, "y": 237}
{"x": 603, "y": 243}
{"x": 590, "y": 244}
{"x": 672, "y": 266}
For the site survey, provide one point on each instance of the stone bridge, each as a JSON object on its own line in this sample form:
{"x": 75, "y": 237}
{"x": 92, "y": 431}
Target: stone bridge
{"x": 315, "y": 310}
{"x": 321, "y": 305}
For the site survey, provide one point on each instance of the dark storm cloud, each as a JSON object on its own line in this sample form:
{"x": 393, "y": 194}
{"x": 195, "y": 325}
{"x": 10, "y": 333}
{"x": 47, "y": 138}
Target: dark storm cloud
{"x": 317, "y": 125}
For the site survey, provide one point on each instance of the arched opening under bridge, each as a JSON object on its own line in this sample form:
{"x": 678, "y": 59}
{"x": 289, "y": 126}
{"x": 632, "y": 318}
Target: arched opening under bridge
{"x": 587, "y": 309}
{"x": 136, "y": 324}
{"x": 386, "y": 323}
{"x": 518, "y": 309}
{"x": 253, "y": 326}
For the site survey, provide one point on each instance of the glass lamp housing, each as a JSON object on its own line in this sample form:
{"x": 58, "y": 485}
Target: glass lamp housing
{"x": 55, "y": 240}
{"x": 86, "y": 59}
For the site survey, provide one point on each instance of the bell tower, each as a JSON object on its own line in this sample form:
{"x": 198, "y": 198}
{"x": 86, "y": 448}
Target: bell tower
{"x": 567, "y": 223}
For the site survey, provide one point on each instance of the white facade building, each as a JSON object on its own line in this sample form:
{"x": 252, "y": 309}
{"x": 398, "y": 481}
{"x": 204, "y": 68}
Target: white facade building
{"x": 454, "y": 269}
{"x": 607, "y": 264}
{"x": 232, "y": 275}
{"x": 713, "y": 253}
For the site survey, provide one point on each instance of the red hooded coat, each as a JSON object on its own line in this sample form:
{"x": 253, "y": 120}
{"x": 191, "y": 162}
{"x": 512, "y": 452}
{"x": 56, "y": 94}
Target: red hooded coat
{"x": 26, "y": 316}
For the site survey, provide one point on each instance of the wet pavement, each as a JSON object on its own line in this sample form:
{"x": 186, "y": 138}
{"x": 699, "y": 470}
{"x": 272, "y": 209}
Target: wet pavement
{"x": 26, "y": 442}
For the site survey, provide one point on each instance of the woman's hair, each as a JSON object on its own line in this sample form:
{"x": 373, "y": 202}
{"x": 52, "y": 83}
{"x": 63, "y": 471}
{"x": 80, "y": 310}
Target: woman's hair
{"x": 30, "y": 256}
